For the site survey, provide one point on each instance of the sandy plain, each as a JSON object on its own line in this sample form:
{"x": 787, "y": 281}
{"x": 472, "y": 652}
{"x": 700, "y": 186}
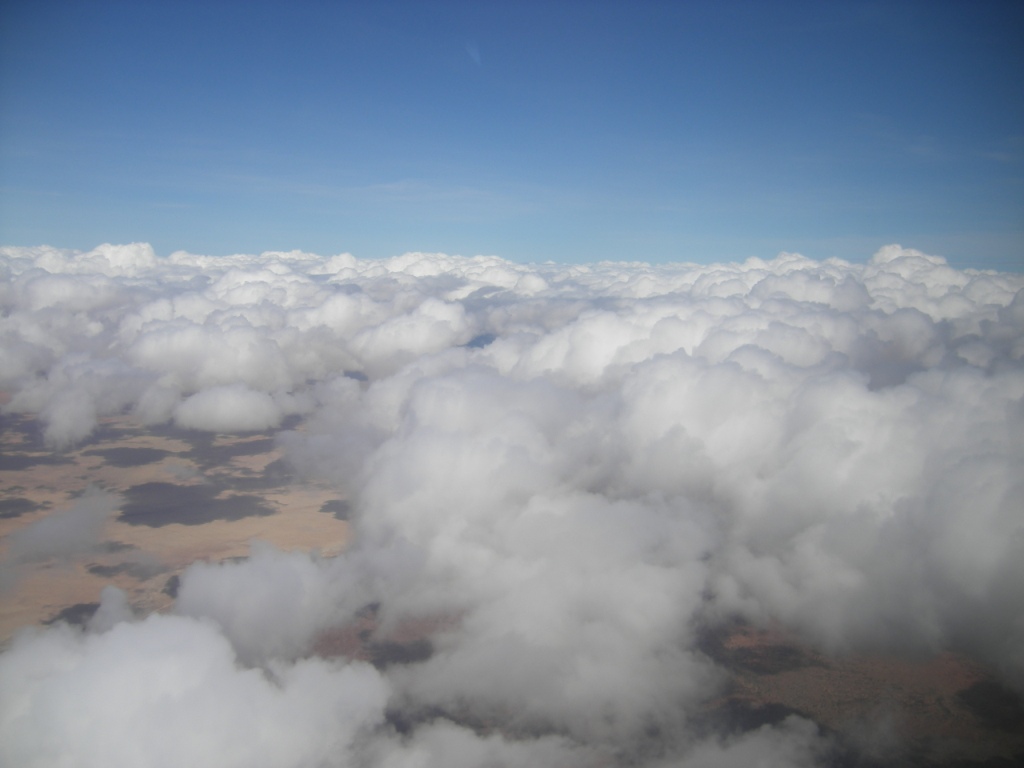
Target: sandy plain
{"x": 187, "y": 497}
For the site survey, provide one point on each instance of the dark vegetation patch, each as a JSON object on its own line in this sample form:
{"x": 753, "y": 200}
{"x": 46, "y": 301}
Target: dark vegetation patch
{"x": 222, "y": 454}
{"x": 290, "y": 422}
{"x": 107, "y": 431}
{"x": 129, "y": 457}
{"x": 274, "y": 475}
{"x": 340, "y": 508}
{"x": 172, "y": 586}
{"x": 17, "y": 507}
{"x": 996, "y": 762}
{"x": 204, "y": 451}
{"x": 405, "y": 722}
{"x": 158, "y": 504}
{"x": 16, "y": 462}
{"x": 77, "y": 614}
{"x": 384, "y": 653}
{"x": 172, "y": 431}
{"x": 998, "y": 707}
{"x": 110, "y": 547}
{"x": 769, "y": 659}
{"x": 26, "y": 426}
{"x": 369, "y": 611}
{"x": 738, "y": 715}
{"x": 139, "y": 571}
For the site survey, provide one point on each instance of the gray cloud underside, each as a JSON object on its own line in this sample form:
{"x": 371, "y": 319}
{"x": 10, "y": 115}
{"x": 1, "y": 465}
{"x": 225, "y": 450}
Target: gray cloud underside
{"x": 578, "y": 466}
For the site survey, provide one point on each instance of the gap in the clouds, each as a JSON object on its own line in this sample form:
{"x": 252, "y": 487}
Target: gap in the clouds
{"x": 409, "y": 642}
{"x": 185, "y": 495}
{"x": 761, "y": 651}
{"x": 861, "y": 699}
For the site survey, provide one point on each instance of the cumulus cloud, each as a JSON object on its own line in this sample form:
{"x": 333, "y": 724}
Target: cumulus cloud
{"x": 269, "y": 606}
{"x": 565, "y": 472}
{"x": 169, "y": 691}
{"x": 228, "y": 408}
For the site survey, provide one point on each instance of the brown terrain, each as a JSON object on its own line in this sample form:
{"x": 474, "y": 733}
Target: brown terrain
{"x": 188, "y": 496}
{"x": 191, "y": 496}
{"x": 941, "y": 710}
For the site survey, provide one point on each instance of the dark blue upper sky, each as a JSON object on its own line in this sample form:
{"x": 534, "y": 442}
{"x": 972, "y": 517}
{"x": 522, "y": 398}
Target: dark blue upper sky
{"x": 572, "y": 131}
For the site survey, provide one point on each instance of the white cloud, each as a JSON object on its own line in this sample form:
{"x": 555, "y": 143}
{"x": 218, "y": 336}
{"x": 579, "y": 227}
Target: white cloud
{"x": 270, "y": 606}
{"x": 110, "y": 260}
{"x": 228, "y": 408}
{"x": 625, "y": 453}
{"x": 168, "y": 691}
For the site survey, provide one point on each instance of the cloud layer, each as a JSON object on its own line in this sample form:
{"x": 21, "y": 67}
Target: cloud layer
{"x": 567, "y": 472}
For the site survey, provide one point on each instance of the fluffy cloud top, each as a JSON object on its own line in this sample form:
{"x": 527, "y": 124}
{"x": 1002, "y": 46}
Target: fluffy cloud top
{"x": 228, "y": 408}
{"x": 568, "y": 470}
{"x": 168, "y": 691}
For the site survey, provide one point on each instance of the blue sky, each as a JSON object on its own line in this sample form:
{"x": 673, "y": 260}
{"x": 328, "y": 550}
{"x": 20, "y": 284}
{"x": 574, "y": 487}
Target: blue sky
{"x": 572, "y": 131}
